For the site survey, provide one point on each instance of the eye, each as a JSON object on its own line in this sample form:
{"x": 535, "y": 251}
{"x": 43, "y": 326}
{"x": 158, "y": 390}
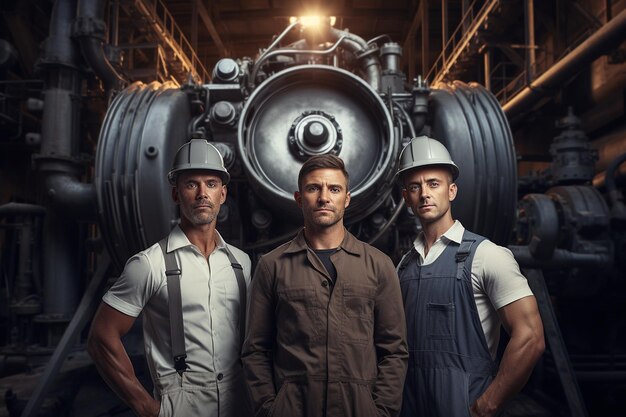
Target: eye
{"x": 413, "y": 188}
{"x": 191, "y": 185}
{"x": 335, "y": 190}
{"x": 312, "y": 188}
{"x": 434, "y": 184}
{"x": 212, "y": 184}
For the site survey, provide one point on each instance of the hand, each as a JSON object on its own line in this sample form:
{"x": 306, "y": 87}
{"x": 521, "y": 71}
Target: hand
{"x": 480, "y": 408}
{"x": 153, "y": 409}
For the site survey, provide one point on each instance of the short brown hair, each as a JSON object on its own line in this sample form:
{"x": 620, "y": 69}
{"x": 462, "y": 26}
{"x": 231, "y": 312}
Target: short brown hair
{"x": 327, "y": 161}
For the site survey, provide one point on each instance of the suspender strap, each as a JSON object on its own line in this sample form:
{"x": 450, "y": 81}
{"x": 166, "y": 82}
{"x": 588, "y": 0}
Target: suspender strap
{"x": 243, "y": 298}
{"x": 461, "y": 255}
{"x": 177, "y": 330}
{"x": 407, "y": 259}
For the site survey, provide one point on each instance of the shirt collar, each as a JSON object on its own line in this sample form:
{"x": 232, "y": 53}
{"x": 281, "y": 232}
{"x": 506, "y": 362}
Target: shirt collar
{"x": 453, "y": 234}
{"x": 178, "y": 239}
{"x": 349, "y": 243}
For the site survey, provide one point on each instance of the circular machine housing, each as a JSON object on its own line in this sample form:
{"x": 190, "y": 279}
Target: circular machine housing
{"x": 469, "y": 121}
{"x": 310, "y": 110}
{"x": 142, "y": 130}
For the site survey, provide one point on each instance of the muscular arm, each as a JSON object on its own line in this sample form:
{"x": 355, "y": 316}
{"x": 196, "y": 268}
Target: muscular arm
{"x": 106, "y": 349}
{"x": 257, "y": 352}
{"x": 522, "y": 321}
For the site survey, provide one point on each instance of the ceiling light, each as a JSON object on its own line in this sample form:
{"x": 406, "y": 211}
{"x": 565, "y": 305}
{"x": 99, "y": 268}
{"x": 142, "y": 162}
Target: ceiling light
{"x": 313, "y": 20}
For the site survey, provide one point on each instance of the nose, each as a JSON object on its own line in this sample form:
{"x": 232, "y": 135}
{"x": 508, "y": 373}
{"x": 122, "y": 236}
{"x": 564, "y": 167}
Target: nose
{"x": 324, "y": 196}
{"x": 202, "y": 192}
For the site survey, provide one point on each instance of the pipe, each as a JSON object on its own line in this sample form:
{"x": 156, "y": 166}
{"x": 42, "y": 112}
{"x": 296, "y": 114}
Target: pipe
{"x": 21, "y": 208}
{"x": 58, "y": 166}
{"x": 58, "y": 48}
{"x": 75, "y": 199}
{"x": 604, "y": 39}
{"x": 90, "y": 30}
{"x": 368, "y": 57}
{"x": 561, "y": 258}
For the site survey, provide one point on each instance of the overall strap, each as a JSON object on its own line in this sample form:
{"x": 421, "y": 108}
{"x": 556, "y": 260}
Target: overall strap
{"x": 408, "y": 258}
{"x": 241, "y": 282}
{"x": 177, "y": 330}
{"x": 466, "y": 248}
{"x": 461, "y": 255}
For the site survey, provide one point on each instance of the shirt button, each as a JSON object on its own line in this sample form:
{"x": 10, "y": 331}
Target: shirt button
{"x": 220, "y": 376}
{"x": 324, "y": 283}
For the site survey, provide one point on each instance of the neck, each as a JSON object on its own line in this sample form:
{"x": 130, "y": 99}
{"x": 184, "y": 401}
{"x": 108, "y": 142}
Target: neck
{"x": 433, "y": 231}
{"x": 202, "y": 236}
{"x": 324, "y": 237}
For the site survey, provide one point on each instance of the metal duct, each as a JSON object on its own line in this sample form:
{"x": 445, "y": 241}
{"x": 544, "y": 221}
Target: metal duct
{"x": 90, "y": 30}
{"x": 469, "y": 121}
{"x": 58, "y": 165}
{"x": 144, "y": 126}
{"x": 368, "y": 57}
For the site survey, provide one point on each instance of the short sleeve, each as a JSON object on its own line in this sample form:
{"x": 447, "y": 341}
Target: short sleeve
{"x": 497, "y": 274}
{"x": 132, "y": 290}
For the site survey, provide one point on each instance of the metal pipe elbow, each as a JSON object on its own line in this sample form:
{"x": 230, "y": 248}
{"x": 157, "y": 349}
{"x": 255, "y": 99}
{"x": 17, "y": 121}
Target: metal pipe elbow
{"x": 71, "y": 197}
{"x": 368, "y": 58}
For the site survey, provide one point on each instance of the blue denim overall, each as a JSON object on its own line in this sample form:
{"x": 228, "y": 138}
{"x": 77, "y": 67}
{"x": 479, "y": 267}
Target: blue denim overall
{"x": 449, "y": 363}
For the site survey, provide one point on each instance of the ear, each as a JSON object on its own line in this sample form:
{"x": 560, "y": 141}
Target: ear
{"x": 223, "y": 195}
{"x": 452, "y": 191}
{"x": 298, "y": 197}
{"x": 175, "y": 195}
{"x": 405, "y": 195}
{"x": 347, "y": 200}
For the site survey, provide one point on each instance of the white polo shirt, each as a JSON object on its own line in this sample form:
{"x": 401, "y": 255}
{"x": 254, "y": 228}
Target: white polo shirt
{"x": 210, "y": 300}
{"x": 496, "y": 278}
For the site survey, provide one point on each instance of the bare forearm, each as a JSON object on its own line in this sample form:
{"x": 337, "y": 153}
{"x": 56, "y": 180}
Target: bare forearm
{"x": 116, "y": 369}
{"x": 517, "y": 363}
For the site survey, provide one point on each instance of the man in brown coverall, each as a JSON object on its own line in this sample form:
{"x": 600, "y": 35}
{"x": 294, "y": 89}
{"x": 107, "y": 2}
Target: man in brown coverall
{"x": 326, "y": 328}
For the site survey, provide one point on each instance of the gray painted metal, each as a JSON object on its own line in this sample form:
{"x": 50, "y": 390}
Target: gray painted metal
{"x": 369, "y": 146}
{"x": 144, "y": 127}
{"x": 468, "y": 120}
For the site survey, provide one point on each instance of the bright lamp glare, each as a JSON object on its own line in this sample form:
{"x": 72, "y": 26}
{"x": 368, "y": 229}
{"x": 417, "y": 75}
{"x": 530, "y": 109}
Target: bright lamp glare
{"x": 311, "y": 20}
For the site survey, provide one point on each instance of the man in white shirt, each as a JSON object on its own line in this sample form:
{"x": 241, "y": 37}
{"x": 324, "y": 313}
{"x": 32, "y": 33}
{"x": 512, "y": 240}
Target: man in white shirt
{"x": 194, "y": 268}
{"x": 458, "y": 288}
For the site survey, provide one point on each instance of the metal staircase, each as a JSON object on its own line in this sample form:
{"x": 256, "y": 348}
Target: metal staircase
{"x": 177, "y": 59}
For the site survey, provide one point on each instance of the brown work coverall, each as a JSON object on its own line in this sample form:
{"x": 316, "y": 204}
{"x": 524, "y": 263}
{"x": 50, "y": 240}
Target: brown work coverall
{"x": 314, "y": 348}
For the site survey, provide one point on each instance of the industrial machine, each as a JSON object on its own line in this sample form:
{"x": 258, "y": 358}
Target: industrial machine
{"x": 329, "y": 91}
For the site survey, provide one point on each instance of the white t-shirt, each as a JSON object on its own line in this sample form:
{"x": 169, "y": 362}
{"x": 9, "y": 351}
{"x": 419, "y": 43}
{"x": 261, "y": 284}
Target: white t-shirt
{"x": 496, "y": 278}
{"x": 210, "y": 300}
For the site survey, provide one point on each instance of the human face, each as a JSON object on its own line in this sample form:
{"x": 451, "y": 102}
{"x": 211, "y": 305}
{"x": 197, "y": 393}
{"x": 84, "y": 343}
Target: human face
{"x": 323, "y": 198}
{"x": 429, "y": 191}
{"x": 200, "y": 195}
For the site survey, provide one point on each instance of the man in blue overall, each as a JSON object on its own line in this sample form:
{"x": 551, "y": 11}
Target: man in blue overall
{"x": 458, "y": 288}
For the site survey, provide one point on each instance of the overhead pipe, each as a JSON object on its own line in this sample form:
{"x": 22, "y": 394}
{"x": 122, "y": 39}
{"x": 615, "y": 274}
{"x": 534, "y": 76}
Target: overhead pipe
{"x": 603, "y": 40}
{"x": 90, "y": 29}
{"x": 367, "y": 56}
